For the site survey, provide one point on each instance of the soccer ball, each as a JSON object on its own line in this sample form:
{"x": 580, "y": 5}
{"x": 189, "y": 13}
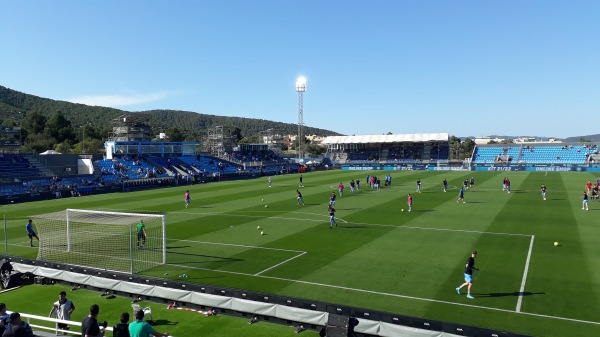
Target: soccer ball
{"x": 266, "y": 206}
{"x": 258, "y": 227}
{"x": 402, "y": 210}
{"x": 262, "y": 199}
{"x": 331, "y": 186}
{"x": 556, "y": 244}
{"x": 262, "y": 233}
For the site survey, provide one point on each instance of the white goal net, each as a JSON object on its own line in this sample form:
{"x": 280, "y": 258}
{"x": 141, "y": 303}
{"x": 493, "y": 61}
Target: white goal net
{"x": 104, "y": 240}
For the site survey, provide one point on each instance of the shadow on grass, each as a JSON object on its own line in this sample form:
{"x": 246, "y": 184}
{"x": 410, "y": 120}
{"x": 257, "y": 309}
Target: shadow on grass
{"x": 164, "y": 322}
{"x": 201, "y": 278}
{"x": 219, "y": 258}
{"x": 350, "y": 227}
{"x": 516, "y": 293}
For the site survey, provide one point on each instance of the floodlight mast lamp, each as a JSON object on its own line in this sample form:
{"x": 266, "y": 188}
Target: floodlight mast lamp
{"x": 300, "y": 89}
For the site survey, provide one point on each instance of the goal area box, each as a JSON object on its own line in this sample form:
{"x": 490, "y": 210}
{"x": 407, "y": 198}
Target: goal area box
{"x": 103, "y": 240}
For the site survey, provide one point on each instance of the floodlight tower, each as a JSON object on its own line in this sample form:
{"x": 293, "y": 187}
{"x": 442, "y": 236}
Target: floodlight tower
{"x": 300, "y": 89}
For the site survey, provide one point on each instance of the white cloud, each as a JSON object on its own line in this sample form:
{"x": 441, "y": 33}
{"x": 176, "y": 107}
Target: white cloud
{"x": 119, "y": 100}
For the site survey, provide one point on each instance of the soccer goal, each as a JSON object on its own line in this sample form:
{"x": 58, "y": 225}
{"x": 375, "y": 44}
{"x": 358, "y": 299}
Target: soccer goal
{"x": 104, "y": 240}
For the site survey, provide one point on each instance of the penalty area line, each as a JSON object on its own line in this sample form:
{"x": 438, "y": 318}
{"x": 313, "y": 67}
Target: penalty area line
{"x": 522, "y": 289}
{"x": 236, "y": 245}
{"x": 279, "y": 264}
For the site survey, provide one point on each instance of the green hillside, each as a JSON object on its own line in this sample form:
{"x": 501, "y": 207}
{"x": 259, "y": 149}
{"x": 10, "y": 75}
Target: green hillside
{"x": 186, "y": 121}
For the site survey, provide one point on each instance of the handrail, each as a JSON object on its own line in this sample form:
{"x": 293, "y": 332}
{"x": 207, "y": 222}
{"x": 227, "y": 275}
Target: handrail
{"x": 30, "y": 317}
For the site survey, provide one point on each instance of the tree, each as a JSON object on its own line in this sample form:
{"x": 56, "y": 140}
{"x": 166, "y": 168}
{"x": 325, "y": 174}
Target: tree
{"x": 174, "y": 135}
{"x": 34, "y": 123}
{"x": 64, "y": 147}
{"x": 315, "y": 149}
{"x": 454, "y": 148}
{"x": 249, "y": 140}
{"x": 39, "y": 142}
{"x": 59, "y": 128}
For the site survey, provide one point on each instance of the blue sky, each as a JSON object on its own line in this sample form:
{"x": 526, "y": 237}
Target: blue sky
{"x": 469, "y": 68}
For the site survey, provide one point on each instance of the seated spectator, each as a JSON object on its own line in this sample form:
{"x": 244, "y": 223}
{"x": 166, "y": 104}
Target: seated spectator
{"x": 18, "y": 328}
{"x": 122, "y": 329}
{"x": 4, "y": 317}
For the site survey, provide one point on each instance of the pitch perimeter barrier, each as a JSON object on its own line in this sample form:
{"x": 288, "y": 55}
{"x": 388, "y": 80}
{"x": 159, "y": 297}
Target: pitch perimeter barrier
{"x": 402, "y": 167}
{"x": 238, "y": 302}
{"x": 538, "y": 167}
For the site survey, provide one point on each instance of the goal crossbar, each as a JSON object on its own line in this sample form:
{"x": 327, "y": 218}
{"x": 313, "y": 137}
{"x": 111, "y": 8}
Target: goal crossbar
{"x": 120, "y": 241}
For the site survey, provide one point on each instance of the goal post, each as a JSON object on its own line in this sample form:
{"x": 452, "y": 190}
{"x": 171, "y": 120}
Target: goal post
{"x": 102, "y": 239}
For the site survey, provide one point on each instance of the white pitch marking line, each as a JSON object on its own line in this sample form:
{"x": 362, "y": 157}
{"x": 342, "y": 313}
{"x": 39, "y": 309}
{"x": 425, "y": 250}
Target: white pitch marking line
{"x": 24, "y": 244}
{"x": 243, "y": 246}
{"x": 389, "y": 294}
{"x": 520, "y": 300}
{"x": 364, "y": 223}
{"x": 290, "y": 259}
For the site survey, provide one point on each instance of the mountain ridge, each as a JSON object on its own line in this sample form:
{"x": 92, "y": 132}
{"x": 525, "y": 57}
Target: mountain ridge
{"x": 21, "y": 103}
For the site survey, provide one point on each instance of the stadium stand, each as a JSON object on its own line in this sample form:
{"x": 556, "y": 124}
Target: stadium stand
{"x": 408, "y": 148}
{"x": 536, "y": 154}
{"x": 16, "y": 166}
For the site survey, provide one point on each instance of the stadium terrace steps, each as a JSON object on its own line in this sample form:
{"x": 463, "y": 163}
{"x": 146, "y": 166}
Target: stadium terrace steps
{"x": 535, "y": 154}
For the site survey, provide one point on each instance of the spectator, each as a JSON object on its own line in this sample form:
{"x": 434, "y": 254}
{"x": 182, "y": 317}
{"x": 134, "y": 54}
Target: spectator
{"x": 62, "y": 309}
{"x": 17, "y": 327}
{"x": 140, "y": 328}
{"x": 352, "y": 323}
{"x": 90, "y": 326}
{"x": 122, "y": 329}
{"x": 4, "y": 317}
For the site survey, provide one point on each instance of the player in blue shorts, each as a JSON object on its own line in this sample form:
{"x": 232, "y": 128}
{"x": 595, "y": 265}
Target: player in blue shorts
{"x": 299, "y": 198}
{"x": 187, "y": 198}
{"x": 30, "y": 232}
{"x": 543, "y": 189}
{"x": 331, "y": 211}
{"x": 584, "y": 205}
{"x": 461, "y": 196}
{"x": 445, "y": 183}
{"x": 470, "y": 266}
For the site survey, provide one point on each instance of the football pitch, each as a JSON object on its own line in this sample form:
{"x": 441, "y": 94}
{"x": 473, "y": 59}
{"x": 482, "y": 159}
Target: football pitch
{"x": 380, "y": 257}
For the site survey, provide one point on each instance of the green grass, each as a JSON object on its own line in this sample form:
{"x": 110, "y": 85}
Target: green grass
{"x": 380, "y": 258}
{"x": 38, "y": 300}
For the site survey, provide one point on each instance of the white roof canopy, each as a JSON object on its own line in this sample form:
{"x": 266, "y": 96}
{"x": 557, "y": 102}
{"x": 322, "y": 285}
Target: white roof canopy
{"x": 415, "y": 138}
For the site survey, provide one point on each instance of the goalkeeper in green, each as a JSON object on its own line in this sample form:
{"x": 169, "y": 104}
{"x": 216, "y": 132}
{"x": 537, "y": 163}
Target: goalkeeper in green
{"x": 141, "y": 234}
